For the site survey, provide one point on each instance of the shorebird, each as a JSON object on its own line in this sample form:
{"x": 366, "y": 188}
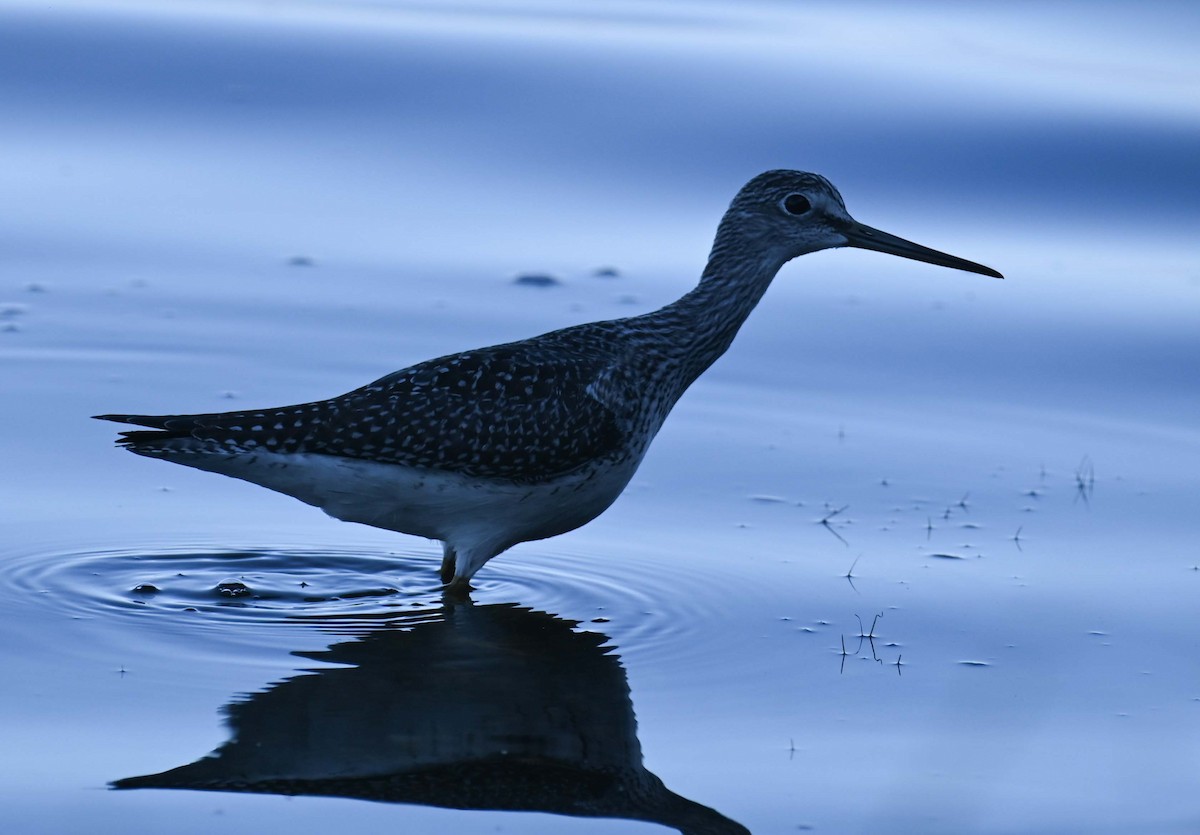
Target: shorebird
{"x": 487, "y": 448}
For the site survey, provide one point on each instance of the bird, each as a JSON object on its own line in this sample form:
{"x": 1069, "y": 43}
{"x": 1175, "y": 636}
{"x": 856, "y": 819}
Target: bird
{"x": 488, "y": 448}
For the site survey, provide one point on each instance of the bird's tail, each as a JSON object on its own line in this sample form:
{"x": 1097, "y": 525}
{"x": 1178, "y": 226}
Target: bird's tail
{"x": 163, "y": 427}
{"x": 226, "y": 433}
{"x": 172, "y": 435}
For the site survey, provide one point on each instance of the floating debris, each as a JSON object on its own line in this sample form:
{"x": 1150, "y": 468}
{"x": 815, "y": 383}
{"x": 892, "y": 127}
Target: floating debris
{"x": 606, "y": 272}
{"x": 537, "y": 280}
{"x": 1085, "y": 480}
{"x": 386, "y": 591}
{"x": 975, "y": 663}
{"x": 948, "y": 556}
{"x": 233, "y": 588}
{"x": 146, "y": 588}
{"x": 767, "y": 499}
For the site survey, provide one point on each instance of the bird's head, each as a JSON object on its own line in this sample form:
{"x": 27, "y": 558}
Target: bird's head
{"x": 791, "y": 213}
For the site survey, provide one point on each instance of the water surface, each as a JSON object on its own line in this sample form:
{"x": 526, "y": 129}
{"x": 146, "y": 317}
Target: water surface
{"x": 918, "y": 555}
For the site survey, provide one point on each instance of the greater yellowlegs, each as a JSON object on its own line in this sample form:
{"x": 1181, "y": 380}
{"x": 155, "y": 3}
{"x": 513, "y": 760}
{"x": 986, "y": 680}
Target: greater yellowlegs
{"x": 527, "y": 440}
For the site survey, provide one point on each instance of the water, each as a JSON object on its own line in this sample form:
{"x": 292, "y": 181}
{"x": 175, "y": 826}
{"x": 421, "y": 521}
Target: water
{"x": 226, "y": 205}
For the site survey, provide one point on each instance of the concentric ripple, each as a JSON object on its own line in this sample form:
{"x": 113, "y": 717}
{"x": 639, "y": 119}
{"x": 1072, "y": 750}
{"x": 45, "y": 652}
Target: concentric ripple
{"x": 233, "y": 587}
{"x": 651, "y": 608}
{"x": 645, "y": 606}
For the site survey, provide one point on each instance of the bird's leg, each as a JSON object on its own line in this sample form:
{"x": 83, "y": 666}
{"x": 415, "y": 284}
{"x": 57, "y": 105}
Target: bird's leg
{"x": 458, "y": 588}
{"x": 453, "y": 585}
{"x": 447, "y": 572}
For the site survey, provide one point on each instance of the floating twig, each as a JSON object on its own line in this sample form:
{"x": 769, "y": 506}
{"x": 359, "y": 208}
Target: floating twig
{"x": 825, "y": 523}
{"x": 1085, "y": 480}
{"x": 849, "y": 575}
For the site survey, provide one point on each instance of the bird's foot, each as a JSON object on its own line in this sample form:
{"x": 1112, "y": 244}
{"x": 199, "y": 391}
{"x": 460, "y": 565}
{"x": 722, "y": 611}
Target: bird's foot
{"x": 459, "y": 588}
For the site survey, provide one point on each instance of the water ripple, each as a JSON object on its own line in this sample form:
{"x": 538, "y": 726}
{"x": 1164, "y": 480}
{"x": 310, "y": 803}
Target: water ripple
{"x": 646, "y": 607}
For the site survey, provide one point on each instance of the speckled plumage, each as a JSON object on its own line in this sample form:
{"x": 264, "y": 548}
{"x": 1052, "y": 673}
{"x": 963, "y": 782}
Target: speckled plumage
{"x": 500, "y": 445}
{"x": 520, "y": 412}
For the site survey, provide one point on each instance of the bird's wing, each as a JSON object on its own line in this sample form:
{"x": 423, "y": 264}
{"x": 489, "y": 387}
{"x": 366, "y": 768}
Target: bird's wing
{"x": 520, "y": 411}
{"x": 507, "y": 412}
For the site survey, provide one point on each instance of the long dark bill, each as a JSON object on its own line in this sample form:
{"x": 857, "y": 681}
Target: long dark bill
{"x": 864, "y": 237}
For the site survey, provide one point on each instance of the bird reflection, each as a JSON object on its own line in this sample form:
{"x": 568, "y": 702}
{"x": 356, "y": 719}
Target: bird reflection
{"x": 465, "y": 707}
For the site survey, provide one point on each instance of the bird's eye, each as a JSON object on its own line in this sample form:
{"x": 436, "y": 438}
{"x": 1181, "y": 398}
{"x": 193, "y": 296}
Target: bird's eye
{"x": 796, "y": 204}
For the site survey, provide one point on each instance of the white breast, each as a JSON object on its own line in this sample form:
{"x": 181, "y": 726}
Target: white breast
{"x": 472, "y": 515}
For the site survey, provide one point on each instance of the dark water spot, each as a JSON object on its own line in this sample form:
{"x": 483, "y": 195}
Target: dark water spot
{"x": 948, "y": 556}
{"x": 974, "y": 663}
{"x": 536, "y": 280}
{"x": 363, "y": 593}
{"x": 233, "y": 588}
{"x": 301, "y": 261}
{"x": 764, "y": 499}
{"x": 606, "y": 272}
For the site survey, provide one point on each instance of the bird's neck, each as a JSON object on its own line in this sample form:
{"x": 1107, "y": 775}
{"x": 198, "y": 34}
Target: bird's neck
{"x": 738, "y": 273}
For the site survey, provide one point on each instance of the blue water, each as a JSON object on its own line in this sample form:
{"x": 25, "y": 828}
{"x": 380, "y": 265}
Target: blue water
{"x": 219, "y": 205}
